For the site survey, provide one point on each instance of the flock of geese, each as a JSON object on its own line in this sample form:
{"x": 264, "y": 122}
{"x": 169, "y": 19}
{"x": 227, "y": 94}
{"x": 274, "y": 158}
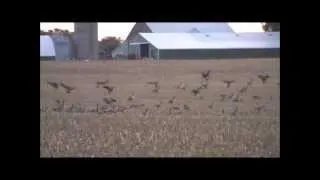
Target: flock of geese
{"x": 110, "y": 103}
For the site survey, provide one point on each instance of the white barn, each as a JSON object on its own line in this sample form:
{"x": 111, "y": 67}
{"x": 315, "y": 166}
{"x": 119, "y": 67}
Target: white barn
{"x": 196, "y": 41}
{"x": 55, "y": 47}
{"x": 47, "y": 50}
{"x": 122, "y": 50}
{"x": 206, "y": 45}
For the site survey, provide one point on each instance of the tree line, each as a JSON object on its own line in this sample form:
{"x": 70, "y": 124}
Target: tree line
{"x": 271, "y": 27}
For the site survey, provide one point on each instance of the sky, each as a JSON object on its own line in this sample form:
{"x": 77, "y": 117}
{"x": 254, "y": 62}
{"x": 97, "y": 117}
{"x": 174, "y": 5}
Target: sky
{"x": 122, "y": 29}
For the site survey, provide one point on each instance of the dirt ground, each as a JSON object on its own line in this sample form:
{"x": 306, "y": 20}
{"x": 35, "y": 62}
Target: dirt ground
{"x": 205, "y": 125}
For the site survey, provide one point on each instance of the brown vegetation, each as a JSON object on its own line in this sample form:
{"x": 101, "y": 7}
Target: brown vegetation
{"x": 89, "y": 123}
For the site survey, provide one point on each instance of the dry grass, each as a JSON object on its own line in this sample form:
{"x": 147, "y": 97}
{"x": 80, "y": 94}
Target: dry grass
{"x": 200, "y": 132}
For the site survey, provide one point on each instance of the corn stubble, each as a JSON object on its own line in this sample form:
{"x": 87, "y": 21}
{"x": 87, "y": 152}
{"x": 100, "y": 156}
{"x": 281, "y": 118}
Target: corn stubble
{"x": 195, "y": 127}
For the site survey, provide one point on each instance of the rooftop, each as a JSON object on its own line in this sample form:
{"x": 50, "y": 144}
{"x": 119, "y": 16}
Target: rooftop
{"x": 213, "y": 40}
{"x": 187, "y": 27}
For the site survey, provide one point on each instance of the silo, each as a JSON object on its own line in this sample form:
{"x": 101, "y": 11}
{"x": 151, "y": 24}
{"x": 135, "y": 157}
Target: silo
{"x": 86, "y": 38}
{"x": 62, "y": 46}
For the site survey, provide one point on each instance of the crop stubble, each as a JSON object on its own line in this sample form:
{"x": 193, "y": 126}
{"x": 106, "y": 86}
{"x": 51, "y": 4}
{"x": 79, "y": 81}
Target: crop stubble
{"x": 199, "y": 132}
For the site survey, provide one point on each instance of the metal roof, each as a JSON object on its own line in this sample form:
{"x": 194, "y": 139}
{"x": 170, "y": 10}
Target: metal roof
{"x": 213, "y": 40}
{"x": 46, "y": 46}
{"x": 187, "y": 27}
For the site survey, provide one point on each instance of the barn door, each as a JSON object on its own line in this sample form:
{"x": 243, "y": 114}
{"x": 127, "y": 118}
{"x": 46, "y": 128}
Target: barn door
{"x": 144, "y": 50}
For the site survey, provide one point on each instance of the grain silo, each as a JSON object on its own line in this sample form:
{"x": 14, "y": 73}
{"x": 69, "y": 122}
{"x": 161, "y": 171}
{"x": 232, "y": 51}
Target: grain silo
{"x": 86, "y": 40}
{"x": 63, "y": 47}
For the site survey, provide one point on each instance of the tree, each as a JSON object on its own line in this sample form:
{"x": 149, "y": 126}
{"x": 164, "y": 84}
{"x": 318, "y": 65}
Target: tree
{"x": 42, "y": 32}
{"x": 57, "y": 30}
{"x": 271, "y": 27}
{"x": 66, "y": 32}
{"x": 108, "y": 44}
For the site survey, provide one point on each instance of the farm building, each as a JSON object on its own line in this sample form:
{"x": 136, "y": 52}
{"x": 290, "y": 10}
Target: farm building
{"x": 82, "y": 44}
{"x": 55, "y": 47}
{"x": 197, "y": 41}
{"x": 62, "y": 46}
{"x": 122, "y": 50}
{"x": 47, "y": 51}
{"x": 86, "y": 40}
{"x": 206, "y": 45}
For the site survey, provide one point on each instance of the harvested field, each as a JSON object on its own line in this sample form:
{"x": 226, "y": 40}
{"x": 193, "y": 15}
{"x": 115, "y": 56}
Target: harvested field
{"x": 217, "y": 122}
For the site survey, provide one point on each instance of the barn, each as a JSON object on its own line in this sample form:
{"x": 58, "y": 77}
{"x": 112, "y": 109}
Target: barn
{"x": 55, "y": 47}
{"x": 206, "y": 45}
{"x": 47, "y": 51}
{"x": 63, "y": 47}
{"x": 198, "y": 41}
{"x": 125, "y": 48}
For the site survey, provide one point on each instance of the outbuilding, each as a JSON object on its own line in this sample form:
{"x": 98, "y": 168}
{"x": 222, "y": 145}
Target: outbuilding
{"x": 124, "y": 49}
{"x": 206, "y": 45}
{"x": 47, "y": 50}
